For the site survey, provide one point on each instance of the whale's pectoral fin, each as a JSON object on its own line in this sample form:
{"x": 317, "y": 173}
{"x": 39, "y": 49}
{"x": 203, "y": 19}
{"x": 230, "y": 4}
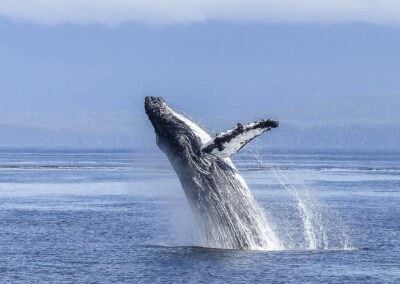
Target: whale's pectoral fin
{"x": 228, "y": 143}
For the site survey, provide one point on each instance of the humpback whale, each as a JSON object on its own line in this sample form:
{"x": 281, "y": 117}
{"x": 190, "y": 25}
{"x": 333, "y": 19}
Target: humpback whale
{"x": 226, "y": 212}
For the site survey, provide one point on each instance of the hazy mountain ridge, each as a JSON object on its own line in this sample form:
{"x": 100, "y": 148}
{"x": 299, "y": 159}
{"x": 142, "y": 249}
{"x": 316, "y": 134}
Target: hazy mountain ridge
{"x": 375, "y": 109}
{"x": 109, "y": 129}
{"x": 364, "y": 121}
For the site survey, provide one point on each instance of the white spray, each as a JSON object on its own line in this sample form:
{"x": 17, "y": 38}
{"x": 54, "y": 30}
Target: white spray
{"x": 322, "y": 228}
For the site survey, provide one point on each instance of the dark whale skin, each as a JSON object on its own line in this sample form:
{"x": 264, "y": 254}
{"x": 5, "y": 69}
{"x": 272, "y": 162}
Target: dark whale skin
{"x": 222, "y": 203}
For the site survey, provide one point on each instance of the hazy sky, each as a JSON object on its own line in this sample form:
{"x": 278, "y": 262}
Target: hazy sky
{"x": 114, "y": 12}
{"x": 328, "y": 70}
{"x": 206, "y": 56}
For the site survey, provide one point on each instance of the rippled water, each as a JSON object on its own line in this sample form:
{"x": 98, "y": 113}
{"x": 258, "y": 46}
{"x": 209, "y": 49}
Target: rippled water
{"x": 93, "y": 215}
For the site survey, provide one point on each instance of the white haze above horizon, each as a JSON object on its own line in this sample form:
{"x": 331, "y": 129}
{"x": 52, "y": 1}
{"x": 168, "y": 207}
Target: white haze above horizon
{"x": 167, "y": 12}
{"x": 357, "y": 122}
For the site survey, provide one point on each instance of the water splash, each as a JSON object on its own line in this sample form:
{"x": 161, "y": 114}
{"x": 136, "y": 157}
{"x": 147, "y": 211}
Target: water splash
{"x": 309, "y": 224}
{"x": 236, "y": 221}
{"x": 233, "y": 219}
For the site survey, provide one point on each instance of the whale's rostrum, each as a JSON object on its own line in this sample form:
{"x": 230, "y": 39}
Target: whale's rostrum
{"x": 226, "y": 212}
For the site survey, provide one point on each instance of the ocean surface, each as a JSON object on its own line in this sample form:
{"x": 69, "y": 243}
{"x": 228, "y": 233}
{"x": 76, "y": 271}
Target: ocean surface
{"x": 100, "y": 216}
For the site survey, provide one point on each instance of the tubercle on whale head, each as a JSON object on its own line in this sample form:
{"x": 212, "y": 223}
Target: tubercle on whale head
{"x": 172, "y": 129}
{"x": 153, "y": 106}
{"x": 151, "y": 102}
{"x": 156, "y": 110}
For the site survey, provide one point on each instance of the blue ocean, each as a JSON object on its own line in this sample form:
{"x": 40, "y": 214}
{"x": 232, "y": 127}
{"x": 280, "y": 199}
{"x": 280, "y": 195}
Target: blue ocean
{"x": 117, "y": 215}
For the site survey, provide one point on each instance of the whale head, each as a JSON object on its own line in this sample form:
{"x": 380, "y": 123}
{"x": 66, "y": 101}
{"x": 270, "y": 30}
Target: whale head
{"x": 174, "y": 132}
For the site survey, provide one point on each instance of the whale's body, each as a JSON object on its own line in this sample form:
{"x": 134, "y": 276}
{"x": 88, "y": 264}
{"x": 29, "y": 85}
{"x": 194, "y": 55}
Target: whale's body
{"x": 224, "y": 207}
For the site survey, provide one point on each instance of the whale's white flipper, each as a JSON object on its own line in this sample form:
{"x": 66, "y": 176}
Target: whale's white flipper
{"x": 227, "y": 143}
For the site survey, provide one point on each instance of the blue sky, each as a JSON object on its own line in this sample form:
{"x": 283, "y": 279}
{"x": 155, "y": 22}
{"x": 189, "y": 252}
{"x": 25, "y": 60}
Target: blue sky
{"x": 207, "y": 59}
